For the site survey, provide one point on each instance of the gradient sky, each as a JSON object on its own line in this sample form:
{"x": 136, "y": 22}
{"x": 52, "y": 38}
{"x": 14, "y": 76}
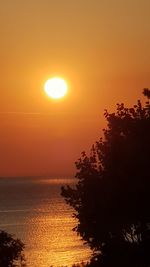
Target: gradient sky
{"x": 101, "y": 48}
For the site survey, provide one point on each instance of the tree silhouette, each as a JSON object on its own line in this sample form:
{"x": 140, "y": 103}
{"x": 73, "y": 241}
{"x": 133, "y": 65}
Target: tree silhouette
{"x": 112, "y": 195}
{"x": 11, "y": 251}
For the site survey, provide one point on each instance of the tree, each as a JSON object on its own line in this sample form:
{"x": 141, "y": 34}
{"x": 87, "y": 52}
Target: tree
{"x": 11, "y": 251}
{"x": 112, "y": 195}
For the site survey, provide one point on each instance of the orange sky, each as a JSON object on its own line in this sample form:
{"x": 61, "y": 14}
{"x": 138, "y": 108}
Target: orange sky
{"x": 101, "y": 47}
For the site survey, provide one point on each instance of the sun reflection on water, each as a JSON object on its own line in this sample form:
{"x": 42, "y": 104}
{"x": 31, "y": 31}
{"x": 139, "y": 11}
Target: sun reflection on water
{"x": 34, "y": 211}
{"x": 55, "y": 242}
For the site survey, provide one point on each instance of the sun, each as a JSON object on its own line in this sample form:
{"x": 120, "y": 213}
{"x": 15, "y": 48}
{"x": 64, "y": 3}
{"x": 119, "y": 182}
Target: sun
{"x": 56, "y": 87}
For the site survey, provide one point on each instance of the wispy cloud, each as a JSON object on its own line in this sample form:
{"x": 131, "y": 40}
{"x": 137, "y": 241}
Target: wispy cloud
{"x": 19, "y": 113}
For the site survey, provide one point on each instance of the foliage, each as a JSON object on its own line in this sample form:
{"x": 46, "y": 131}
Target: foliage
{"x": 112, "y": 195}
{"x": 11, "y": 251}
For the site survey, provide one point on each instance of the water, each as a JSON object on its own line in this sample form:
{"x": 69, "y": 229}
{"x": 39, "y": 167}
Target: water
{"x": 33, "y": 210}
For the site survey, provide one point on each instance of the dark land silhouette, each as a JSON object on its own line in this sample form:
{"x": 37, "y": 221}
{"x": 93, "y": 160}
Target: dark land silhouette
{"x": 111, "y": 198}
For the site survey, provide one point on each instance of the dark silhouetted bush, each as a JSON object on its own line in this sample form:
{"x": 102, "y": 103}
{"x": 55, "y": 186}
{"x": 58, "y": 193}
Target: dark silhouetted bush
{"x": 11, "y": 251}
{"x": 111, "y": 199}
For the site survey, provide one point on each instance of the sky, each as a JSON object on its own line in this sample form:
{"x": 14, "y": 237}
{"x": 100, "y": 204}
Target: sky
{"x": 100, "y": 47}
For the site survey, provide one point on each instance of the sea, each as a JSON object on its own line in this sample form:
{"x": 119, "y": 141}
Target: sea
{"x": 32, "y": 209}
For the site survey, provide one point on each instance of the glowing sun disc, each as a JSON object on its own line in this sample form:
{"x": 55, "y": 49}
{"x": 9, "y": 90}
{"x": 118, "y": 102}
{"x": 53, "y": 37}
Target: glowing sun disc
{"x": 55, "y": 88}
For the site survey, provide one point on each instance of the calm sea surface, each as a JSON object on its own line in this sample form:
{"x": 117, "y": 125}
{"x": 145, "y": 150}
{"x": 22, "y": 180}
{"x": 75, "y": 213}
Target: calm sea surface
{"x": 33, "y": 210}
